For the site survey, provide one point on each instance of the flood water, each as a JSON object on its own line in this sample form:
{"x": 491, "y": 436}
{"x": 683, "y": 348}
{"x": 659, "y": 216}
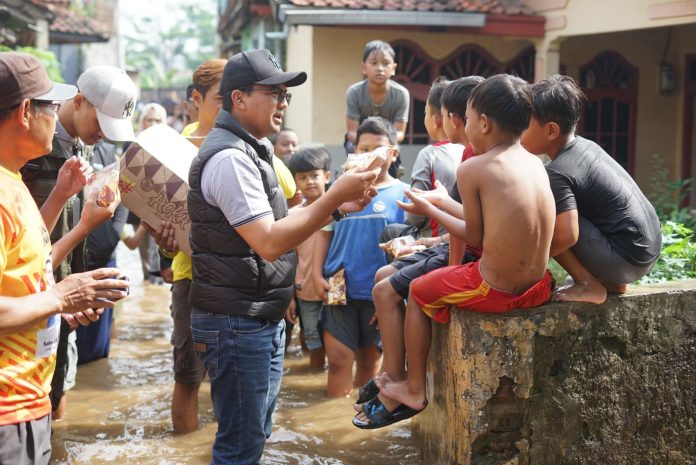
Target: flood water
{"x": 119, "y": 410}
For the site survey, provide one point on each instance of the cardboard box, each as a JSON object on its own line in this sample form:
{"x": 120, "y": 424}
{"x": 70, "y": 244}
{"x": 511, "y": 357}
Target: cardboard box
{"x": 154, "y": 179}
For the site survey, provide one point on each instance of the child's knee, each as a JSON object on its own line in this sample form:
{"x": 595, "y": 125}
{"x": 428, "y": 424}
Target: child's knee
{"x": 382, "y": 289}
{"x": 384, "y": 272}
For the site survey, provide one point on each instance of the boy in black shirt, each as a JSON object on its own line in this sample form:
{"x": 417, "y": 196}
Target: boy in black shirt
{"x": 607, "y": 233}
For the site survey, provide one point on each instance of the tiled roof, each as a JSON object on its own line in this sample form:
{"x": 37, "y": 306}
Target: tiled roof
{"x": 67, "y": 22}
{"x": 498, "y": 7}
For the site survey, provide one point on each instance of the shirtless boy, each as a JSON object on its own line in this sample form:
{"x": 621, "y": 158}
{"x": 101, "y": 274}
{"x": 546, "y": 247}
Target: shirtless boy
{"x": 505, "y": 192}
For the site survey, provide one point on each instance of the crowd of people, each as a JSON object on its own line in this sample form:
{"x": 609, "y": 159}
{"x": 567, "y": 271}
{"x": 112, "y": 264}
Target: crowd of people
{"x": 362, "y": 262}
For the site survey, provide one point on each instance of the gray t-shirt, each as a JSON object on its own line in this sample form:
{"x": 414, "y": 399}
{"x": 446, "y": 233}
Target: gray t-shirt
{"x": 438, "y": 161}
{"x": 585, "y": 178}
{"x": 394, "y": 108}
{"x": 231, "y": 181}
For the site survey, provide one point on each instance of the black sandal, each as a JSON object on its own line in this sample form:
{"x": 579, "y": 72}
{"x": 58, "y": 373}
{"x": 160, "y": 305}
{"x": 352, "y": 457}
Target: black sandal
{"x": 368, "y": 392}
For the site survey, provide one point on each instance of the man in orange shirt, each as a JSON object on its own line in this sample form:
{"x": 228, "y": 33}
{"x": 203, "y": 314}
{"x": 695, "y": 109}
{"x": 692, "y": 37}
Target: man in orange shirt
{"x": 30, "y": 302}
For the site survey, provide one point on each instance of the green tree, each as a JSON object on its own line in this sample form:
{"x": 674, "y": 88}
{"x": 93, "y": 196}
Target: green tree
{"x": 167, "y": 49}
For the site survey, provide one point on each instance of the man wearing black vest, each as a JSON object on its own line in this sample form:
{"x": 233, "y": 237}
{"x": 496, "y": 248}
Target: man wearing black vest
{"x": 243, "y": 256}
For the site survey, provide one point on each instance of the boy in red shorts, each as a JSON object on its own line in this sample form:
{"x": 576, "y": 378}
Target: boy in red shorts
{"x": 505, "y": 192}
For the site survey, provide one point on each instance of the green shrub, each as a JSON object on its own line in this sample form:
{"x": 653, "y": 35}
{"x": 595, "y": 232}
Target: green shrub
{"x": 678, "y": 257}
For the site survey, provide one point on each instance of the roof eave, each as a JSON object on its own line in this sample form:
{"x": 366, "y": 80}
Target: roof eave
{"x": 342, "y": 17}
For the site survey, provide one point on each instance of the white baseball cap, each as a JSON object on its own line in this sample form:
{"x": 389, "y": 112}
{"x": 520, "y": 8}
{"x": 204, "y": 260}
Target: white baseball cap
{"x": 113, "y": 95}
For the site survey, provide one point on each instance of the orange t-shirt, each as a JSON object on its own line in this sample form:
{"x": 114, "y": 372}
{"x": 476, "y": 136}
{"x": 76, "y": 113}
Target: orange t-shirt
{"x": 304, "y": 285}
{"x": 27, "y": 358}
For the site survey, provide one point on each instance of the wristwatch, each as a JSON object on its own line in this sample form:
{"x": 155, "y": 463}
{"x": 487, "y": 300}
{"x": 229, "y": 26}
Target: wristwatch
{"x": 337, "y": 215}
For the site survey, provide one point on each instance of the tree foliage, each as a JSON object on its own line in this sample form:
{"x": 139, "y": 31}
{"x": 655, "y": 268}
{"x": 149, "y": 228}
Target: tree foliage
{"x": 166, "y": 49}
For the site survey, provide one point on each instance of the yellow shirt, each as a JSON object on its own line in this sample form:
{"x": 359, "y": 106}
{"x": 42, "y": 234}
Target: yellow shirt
{"x": 27, "y": 358}
{"x": 181, "y": 264}
{"x": 189, "y": 129}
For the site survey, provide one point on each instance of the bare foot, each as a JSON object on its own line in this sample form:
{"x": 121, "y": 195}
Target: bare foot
{"x": 398, "y": 391}
{"x": 616, "y": 288}
{"x": 592, "y": 292}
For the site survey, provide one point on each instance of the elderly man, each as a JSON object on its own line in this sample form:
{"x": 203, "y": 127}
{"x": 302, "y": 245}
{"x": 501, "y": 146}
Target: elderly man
{"x": 30, "y": 303}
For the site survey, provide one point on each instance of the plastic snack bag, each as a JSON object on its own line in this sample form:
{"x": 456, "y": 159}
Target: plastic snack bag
{"x": 370, "y": 160}
{"x": 336, "y": 295}
{"x": 400, "y": 247}
{"x": 102, "y": 185}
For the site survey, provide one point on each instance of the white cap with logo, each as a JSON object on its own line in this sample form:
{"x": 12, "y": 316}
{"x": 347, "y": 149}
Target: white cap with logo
{"x": 113, "y": 95}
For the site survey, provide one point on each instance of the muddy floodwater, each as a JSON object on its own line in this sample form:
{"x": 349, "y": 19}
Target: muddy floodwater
{"x": 119, "y": 410}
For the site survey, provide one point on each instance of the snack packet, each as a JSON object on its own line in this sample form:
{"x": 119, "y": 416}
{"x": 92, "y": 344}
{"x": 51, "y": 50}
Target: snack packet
{"x": 400, "y": 247}
{"x": 370, "y": 160}
{"x": 336, "y": 295}
{"x": 102, "y": 185}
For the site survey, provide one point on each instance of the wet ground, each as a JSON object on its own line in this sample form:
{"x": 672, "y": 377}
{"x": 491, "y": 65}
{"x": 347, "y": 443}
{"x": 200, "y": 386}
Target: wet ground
{"x": 119, "y": 410}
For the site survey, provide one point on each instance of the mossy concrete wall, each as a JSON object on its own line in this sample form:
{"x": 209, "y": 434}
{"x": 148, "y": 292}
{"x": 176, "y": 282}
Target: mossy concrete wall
{"x": 567, "y": 383}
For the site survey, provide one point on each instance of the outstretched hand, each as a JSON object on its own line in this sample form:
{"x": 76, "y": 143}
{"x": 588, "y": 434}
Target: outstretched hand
{"x": 419, "y": 205}
{"x": 93, "y": 215}
{"x": 72, "y": 176}
{"x": 435, "y": 196}
{"x": 93, "y": 289}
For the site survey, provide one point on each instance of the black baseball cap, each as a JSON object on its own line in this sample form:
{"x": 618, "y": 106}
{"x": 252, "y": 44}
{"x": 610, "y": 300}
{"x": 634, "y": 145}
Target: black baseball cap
{"x": 257, "y": 67}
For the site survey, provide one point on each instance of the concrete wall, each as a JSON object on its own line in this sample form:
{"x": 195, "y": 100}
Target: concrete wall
{"x": 567, "y": 384}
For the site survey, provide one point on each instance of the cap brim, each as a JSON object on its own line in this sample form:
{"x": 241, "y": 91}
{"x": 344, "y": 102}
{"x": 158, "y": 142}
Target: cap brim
{"x": 59, "y": 93}
{"x": 290, "y": 79}
{"x": 115, "y": 129}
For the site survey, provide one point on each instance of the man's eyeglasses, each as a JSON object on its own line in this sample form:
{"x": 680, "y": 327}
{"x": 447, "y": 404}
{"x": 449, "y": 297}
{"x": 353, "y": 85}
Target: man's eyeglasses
{"x": 279, "y": 94}
{"x": 47, "y": 108}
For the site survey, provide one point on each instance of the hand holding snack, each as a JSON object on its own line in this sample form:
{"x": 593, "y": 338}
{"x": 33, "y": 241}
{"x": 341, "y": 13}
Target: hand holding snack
{"x": 93, "y": 214}
{"x": 371, "y": 160}
{"x": 103, "y": 185}
{"x": 400, "y": 247}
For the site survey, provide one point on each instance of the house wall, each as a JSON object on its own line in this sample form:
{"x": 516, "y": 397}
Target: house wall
{"x": 659, "y": 115}
{"x": 335, "y": 65}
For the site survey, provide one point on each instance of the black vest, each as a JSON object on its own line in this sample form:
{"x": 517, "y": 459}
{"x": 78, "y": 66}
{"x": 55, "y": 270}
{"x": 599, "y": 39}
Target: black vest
{"x": 228, "y": 276}
{"x": 40, "y": 176}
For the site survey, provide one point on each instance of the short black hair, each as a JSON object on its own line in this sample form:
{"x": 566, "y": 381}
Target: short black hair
{"x": 505, "y": 99}
{"x": 557, "y": 99}
{"x": 456, "y": 94}
{"x": 378, "y": 126}
{"x": 189, "y": 92}
{"x": 434, "y": 99}
{"x": 310, "y": 158}
{"x": 376, "y": 45}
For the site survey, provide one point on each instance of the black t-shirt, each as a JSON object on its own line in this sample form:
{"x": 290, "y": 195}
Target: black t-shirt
{"x": 585, "y": 178}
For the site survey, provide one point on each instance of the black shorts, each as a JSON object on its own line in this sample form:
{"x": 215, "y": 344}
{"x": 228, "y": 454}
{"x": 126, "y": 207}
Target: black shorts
{"x": 416, "y": 265}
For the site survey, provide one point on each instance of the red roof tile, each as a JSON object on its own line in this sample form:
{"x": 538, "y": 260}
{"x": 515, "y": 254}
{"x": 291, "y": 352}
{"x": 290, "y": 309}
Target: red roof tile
{"x": 498, "y": 7}
{"x": 67, "y": 22}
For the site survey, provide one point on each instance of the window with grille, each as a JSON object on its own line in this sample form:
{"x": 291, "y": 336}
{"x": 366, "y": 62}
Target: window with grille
{"x": 417, "y": 70}
{"x": 610, "y": 84}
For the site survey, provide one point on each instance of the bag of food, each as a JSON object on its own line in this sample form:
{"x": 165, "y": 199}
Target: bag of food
{"x": 336, "y": 295}
{"x": 401, "y": 246}
{"x": 102, "y": 185}
{"x": 370, "y": 160}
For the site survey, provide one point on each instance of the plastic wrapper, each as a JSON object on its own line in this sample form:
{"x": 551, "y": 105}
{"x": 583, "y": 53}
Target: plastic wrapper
{"x": 102, "y": 185}
{"x": 403, "y": 246}
{"x": 370, "y": 160}
{"x": 336, "y": 295}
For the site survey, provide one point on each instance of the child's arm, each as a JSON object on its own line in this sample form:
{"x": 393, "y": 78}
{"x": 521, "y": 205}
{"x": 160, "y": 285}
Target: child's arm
{"x": 400, "y": 127}
{"x": 132, "y": 242}
{"x": 321, "y": 248}
{"x": 352, "y": 129}
{"x": 421, "y": 206}
{"x": 456, "y": 251}
{"x": 439, "y": 197}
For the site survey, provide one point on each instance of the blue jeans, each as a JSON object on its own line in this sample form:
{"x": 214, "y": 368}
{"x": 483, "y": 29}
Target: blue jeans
{"x": 244, "y": 359}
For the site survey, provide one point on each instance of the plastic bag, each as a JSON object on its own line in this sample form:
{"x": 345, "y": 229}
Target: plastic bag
{"x": 336, "y": 295}
{"x": 102, "y": 185}
{"x": 370, "y": 160}
{"x": 402, "y": 246}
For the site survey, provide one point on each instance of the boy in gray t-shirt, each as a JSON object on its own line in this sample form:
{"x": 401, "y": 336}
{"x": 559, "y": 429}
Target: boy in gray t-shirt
{"x": 377, "y": 95}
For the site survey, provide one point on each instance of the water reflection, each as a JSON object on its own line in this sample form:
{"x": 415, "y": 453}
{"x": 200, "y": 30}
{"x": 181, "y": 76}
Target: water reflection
{"x": 119, "y": 410}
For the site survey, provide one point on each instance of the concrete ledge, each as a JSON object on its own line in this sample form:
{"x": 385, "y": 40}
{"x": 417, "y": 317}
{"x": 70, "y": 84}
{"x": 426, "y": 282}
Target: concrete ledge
{"x": 567, "y": 383}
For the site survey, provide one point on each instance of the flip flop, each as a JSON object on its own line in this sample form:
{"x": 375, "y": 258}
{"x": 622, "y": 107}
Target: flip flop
{"x": 368, "y": 392}
{"x": 379, "y": 417}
